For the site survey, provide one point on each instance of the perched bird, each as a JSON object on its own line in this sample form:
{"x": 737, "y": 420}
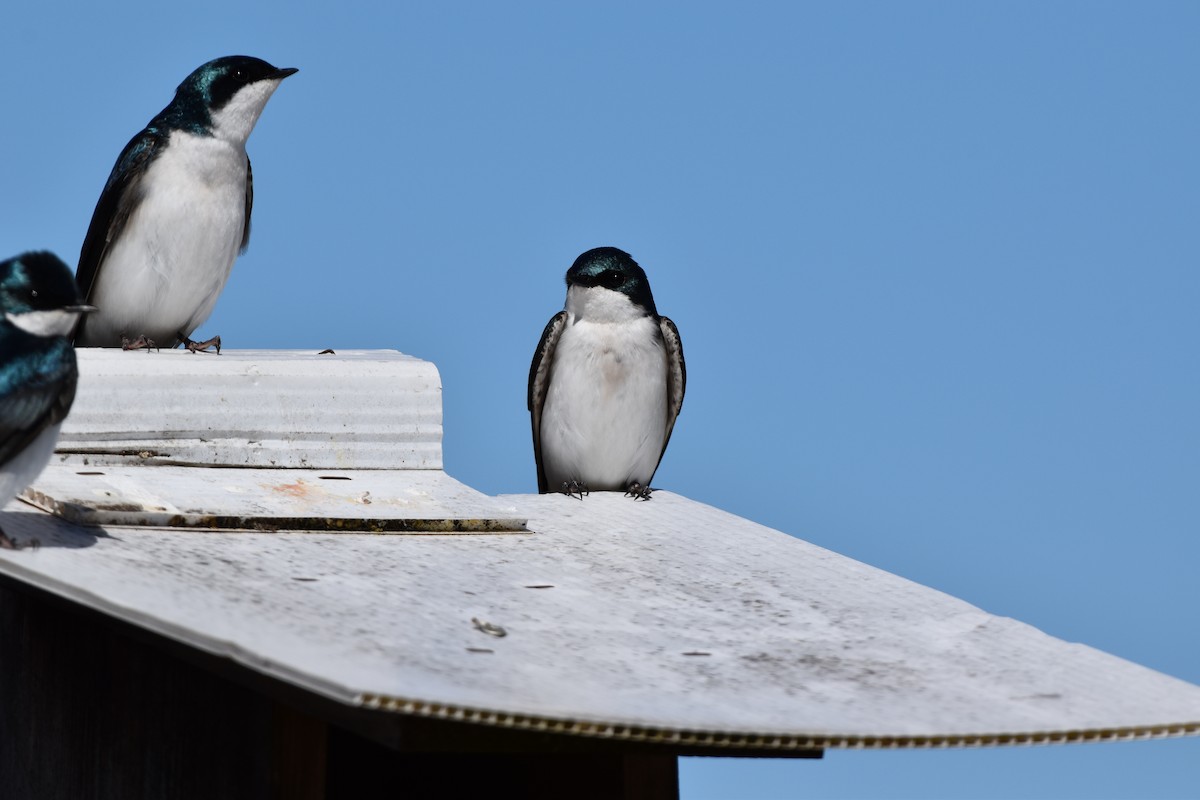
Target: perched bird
{"x": 175, "y": 212}
{"x": 40, "y": 305}
{"x": 606, "y": 383}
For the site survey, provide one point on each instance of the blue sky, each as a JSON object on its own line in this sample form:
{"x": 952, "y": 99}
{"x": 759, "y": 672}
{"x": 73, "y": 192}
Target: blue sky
{"x": 934, "y": 266}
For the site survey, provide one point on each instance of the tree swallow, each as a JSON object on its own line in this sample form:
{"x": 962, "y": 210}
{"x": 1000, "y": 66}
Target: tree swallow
{"x": 175, "y": 212}
{"x": 606, "y": 383}
{"x": 39, "y": 304}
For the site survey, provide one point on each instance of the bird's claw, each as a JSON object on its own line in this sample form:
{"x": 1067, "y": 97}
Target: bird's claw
{"x": 140, "y": 343}
{"x": 638, "y": 492}
{"x": 574, "y": 488}
{"x": 200, "y": 347}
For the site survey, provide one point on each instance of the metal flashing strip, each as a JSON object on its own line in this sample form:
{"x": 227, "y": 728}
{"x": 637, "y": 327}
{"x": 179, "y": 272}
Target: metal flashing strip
{"x": 270, "y": 500}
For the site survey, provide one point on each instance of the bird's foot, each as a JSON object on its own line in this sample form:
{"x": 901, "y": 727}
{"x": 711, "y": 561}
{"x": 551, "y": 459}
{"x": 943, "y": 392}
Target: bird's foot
{"x": 200, "y": 347}
{"x": 140, "y": 343}
{"x": 574, "y": 488}
{"x": 9, "y": 543}
{"x": 638, "y": 492}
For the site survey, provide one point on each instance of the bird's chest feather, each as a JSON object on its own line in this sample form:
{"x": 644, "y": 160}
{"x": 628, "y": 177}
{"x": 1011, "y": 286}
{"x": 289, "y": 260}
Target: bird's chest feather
{"x": 24, "y": 467}
{"x": 169, "y": 264}
{"x": 606, "y": 362}
{"x": 197, "y": 181}
{"x": 605, "y": 413}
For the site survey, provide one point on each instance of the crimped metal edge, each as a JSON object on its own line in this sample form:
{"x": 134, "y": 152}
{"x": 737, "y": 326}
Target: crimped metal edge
{"x": 780, "y": 742}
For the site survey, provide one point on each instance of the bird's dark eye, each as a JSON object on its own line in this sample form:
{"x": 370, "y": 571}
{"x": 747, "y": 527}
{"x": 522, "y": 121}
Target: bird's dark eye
{"x": 610, "y": 279}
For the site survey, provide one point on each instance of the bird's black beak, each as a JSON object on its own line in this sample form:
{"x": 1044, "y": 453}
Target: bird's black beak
{"x": 280, "y": 74}
{"x": 82, "y": 310}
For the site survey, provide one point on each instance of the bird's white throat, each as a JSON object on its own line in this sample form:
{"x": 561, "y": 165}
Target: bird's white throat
{"x": 597, "y": 304}
{"x": 54, "y": 322}
{"x": 234, "y": 121}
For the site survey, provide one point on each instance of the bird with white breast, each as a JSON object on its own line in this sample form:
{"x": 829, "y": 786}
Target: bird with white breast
{"x": 606, "y": 383}
{"x": 175, "y": 211}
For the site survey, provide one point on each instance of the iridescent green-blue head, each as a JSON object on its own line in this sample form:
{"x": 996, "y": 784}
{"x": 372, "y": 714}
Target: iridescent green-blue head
{"x": 36, "y": 281}
{"x": 229, "y": 92}
{"x": 613, "y": 269}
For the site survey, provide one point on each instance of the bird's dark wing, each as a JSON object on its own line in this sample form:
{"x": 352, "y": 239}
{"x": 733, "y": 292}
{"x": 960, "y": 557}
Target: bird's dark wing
{"x": 120, "y": 198}
{"x": 539, "y": 382}
{"x": 249, "y": 205}
{"x": 676, "y": 376}
{"x": 36, "y": 390}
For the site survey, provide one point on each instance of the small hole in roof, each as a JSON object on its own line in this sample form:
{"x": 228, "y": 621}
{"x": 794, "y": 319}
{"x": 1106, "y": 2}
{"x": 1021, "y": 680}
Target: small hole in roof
{"x": 335, "y": 477}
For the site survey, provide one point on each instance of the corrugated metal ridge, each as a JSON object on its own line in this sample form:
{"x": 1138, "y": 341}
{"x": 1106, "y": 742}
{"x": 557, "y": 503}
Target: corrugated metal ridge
{"x": 779, "y": 742}
{"x": 258, "y": 408}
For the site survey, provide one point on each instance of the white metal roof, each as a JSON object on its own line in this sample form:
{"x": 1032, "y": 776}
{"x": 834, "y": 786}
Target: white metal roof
{"x": 664, "y": 621}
